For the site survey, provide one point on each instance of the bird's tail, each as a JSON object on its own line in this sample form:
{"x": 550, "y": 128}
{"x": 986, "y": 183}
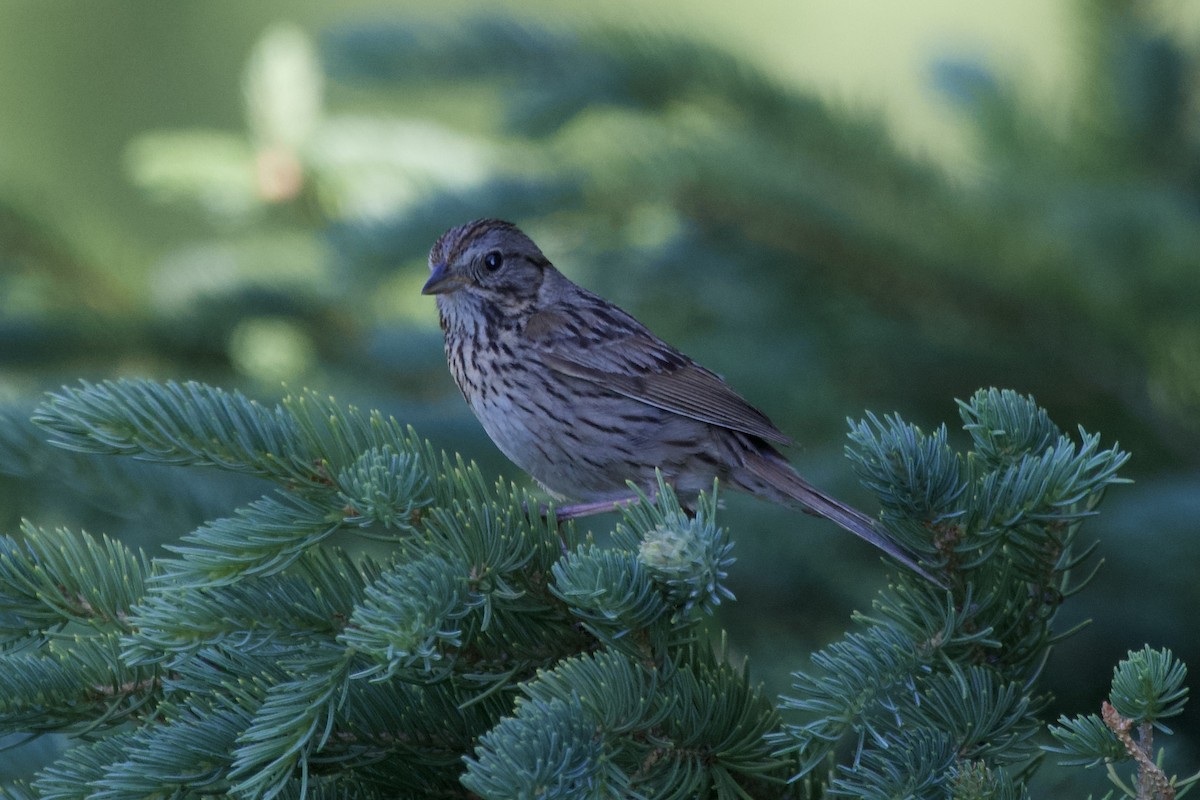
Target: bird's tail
{"x": 774, "y": 470}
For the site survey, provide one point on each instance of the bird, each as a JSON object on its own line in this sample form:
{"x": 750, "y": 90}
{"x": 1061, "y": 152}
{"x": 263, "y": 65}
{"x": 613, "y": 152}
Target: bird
{"x": 587, "y": 400}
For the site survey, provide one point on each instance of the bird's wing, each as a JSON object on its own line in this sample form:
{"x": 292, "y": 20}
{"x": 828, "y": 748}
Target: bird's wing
{"x": 630, "y": 360}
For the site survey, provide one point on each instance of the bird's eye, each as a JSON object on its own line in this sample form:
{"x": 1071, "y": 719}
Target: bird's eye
{"x": 493, "y": 261}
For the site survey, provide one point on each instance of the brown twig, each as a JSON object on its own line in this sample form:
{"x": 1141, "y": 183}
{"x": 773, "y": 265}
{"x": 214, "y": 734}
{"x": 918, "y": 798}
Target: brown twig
{"x": 1152, "y": 782}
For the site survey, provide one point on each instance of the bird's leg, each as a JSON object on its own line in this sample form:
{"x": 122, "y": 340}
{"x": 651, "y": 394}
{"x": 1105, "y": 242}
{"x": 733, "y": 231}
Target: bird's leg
{"x": 578, "y": 510}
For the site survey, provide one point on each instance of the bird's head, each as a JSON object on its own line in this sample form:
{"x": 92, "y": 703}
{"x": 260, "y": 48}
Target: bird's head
{"x": 487, "y": 261}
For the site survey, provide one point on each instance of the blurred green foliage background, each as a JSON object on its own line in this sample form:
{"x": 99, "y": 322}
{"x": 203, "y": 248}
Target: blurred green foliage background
{"x": 838, "y": 206}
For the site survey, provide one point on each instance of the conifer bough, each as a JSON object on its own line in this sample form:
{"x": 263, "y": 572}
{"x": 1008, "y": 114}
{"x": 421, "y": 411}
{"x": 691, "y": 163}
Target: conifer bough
{"x": 490, "y": 651}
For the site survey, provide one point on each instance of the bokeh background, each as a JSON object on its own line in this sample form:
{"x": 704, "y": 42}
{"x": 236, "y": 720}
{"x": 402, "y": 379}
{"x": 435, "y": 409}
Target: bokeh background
{"x": 840, "y": 205}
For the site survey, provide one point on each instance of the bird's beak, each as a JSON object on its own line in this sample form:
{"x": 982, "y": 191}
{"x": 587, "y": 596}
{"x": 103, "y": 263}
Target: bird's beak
{"x": 442, "y": 281}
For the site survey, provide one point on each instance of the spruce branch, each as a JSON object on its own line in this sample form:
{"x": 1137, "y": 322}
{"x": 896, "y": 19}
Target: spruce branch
{"x": 915, "y": 475}
{"x": 262, "y": 538}
{"x": 294, "y": 721}
{"x": 18, "y": 790}
{"x": 608, "y": 725}
{"x": 178, "y": 424}
{"x": 189, "y": 749}
{"x": 419, "y": 634}
{"x": 313, "y": 600}
{"x": 75, "y": 684}
{"x": 1147, "y": 686}
{"x": 687, "y": 554}
{"x": 642, "y": 596}
{"x": 1152, "y": 782}
{"x": 913, "y": 765}
{"x": 1005, "y": 425}
{"x": 296, "y": 667}
{"x": 614, "y": 597}
{"x": 337, "y": 469}
{"x": 975, "y": 780}
{"x": 74, "y": 776}
{"x": 304, "y": 443}
{"x": 939, "y": 686}
{"x": 51, "y": 578}
{"x": 486, "y": 611}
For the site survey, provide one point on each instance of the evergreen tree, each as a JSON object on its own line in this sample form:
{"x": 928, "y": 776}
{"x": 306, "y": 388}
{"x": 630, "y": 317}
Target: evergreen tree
{"x": 482, "y": 649}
